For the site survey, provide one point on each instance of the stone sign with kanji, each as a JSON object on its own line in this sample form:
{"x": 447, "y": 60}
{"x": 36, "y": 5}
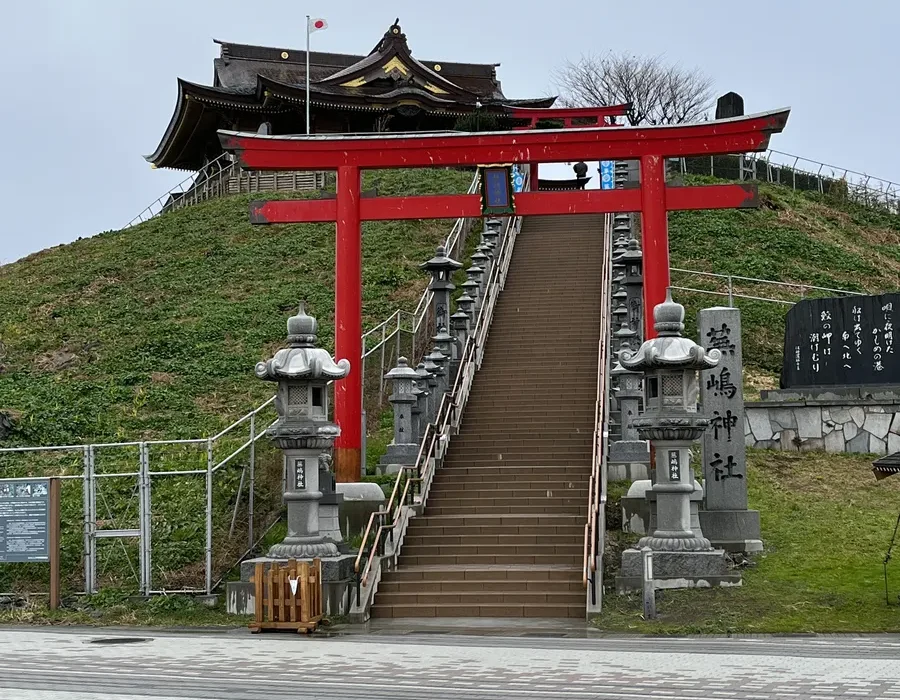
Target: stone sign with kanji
{"x": 841, "y": 341}
{"x": 722, "y": 398}
{"x": 725, "y": 518}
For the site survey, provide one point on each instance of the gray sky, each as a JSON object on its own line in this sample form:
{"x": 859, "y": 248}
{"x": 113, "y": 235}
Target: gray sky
{"x": 90, "y": 85}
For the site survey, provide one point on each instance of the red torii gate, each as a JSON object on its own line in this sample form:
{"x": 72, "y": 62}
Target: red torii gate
{"x": 349, "y": 154}
{"x": 569, "y": 115}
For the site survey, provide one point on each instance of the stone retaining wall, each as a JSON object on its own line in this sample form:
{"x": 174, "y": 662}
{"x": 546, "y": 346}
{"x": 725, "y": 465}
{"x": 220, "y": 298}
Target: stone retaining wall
{"x": 852, "y": 419}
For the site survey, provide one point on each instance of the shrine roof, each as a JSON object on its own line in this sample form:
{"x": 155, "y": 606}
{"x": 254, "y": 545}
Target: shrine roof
{"x": 271, "y": 80}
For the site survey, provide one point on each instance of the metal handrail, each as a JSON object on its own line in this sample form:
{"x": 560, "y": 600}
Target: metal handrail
{"x": 186, "y": 185}
{"x": 731, "y": 293}
{"x": 448, "y": 417}
{"x": 864, "y": 189}
{"x": 594, "y": 525}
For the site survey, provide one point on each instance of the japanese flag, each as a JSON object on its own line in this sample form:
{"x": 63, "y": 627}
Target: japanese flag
{"x": 316, "y": 24}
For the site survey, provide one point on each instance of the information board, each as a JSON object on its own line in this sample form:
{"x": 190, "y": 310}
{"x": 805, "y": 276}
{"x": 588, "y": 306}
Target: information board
{"x": 841, "y": 341}
{"x": 24, "y": 520}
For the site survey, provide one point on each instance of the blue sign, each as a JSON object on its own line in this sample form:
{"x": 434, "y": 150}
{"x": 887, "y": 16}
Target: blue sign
{"x": 607, "y": 171}
{"x": 518, "y": 179}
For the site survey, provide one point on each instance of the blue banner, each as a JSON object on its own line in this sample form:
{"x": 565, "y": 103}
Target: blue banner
{"x": 607, "y": 170}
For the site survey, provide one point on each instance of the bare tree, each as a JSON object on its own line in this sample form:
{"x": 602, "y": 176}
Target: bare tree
{"x": 659, "y": 93}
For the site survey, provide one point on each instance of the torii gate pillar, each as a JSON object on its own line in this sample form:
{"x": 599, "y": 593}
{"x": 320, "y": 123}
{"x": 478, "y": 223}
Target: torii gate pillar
{"x": 654, "y": 236}
{"x": 348, "y": 324}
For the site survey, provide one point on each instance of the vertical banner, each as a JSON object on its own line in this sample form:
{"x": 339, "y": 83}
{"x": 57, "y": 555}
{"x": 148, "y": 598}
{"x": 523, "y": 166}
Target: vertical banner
{"x": 607, "y": 168}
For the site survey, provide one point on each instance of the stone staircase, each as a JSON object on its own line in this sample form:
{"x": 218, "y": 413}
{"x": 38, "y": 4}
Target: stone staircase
{"x": 503, "y": 530}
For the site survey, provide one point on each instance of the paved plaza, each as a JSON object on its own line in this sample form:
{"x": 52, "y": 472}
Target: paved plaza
{"x": 439, "y": 663}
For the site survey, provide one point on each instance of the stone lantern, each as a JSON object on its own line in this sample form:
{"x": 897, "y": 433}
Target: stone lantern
{"x": 437, "y": 367}
{"x": 623, "y": 334}
{"x": 459, "y": 327}
{"x": 403, "y": 450}
{"x": 483, "y": 259}
{"x": 444, "y": 342}
{"x": 424, "y": 399}
{"x": 303, "y": 432}
{"x": 466, "y": 304}
{"x": 633, "y": 259}
{"x": 670, "y": 421}
{"x": 441, "y": 269}
{"x": 629, "y": 455}
{"x": 472, "y": 288}
{"x": 491, "y": 233}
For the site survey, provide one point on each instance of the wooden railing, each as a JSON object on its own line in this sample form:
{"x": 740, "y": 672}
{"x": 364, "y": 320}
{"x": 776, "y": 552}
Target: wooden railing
{"x": 595, "y": 527}
{"x": 223, "y": 177}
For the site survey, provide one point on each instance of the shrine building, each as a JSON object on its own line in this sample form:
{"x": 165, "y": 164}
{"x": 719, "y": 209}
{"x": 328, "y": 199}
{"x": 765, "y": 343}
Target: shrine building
{"x": 263, "y": 89}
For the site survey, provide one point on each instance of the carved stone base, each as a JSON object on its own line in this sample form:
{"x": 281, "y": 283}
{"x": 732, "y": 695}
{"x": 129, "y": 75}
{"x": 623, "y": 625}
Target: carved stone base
{"x": 297, "y": 548}
{"x": 675, "y": 544}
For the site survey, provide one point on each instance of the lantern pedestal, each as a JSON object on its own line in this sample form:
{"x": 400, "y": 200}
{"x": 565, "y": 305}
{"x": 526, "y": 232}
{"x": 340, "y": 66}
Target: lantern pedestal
{"x": 677, "y": 570}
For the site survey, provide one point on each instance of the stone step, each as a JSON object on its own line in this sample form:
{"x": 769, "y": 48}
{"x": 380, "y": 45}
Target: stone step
{"x": 469, "y": 539}
{"x": 580, "y": 509}
{"x": 526, "y": 504}
{"x": 572, "y": 549}
{"x": 543, "y": 610}
{"x": 482, "y": 597}
{"x": 489, "y": 559}
{"x": 508, "y": 586}
{"x": 525, "y": 489}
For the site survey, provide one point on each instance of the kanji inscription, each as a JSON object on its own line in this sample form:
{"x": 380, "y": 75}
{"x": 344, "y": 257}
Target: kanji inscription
{"x": 841, "y": 341}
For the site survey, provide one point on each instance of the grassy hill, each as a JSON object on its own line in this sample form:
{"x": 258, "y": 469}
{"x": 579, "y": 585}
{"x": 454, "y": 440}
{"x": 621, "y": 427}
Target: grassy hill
{"x": 153, "y": 331}
{"x": 799, "y": 237}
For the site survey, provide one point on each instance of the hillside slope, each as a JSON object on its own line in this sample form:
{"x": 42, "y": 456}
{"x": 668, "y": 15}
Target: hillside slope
{"x": 799, "y": 237}
{"x": 154, "y": 331}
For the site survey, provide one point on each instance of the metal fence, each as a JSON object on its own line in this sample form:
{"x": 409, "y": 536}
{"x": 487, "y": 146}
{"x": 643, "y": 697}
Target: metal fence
{"x": 134, "y": 493}
{"x": 800, "y": 174}
{"x": 737, "y": 287}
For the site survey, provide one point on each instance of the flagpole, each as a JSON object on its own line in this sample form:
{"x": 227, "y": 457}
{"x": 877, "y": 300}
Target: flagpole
{"x": 307, "y": 75}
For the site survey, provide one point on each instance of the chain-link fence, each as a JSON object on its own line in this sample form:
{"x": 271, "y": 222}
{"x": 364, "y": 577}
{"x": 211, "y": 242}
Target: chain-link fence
{"x": 157, "y": 516}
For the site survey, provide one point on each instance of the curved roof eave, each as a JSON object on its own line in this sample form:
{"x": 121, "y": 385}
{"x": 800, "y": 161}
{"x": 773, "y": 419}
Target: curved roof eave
{"x": 157, "y": 155}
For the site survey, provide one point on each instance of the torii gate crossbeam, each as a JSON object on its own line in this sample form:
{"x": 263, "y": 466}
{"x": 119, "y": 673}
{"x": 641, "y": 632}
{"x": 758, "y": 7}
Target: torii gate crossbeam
{"x": 349, "y": 154}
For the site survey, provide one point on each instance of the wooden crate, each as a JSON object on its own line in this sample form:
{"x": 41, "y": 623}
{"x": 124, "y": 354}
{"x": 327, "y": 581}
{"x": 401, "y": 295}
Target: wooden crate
{"x": 277, "y": 606}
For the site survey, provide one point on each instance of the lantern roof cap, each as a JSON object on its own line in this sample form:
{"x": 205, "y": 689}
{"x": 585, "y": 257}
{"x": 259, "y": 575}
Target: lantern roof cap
{"x": 633, "y": 252}
{"x": 670, "y": 349}
{"x": 302, "y": 359}
{"x": 436, "y": 357}
{"x": 402, "y": 371}
{"x": 441, "y": 261}
{"x": 443, "y": 336}
{"x": 421, "y": 371}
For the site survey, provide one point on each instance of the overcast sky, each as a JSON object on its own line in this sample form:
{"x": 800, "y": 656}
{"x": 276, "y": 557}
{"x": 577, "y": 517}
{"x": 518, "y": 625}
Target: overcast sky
{"x": 89, "y": 86}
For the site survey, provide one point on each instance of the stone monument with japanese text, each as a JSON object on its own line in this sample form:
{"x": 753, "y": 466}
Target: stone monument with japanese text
{"x": 725, "y": 518}
{"x": 840, "y": 380}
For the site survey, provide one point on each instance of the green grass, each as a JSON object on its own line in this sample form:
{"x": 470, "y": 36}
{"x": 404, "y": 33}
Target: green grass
{"x": 826, "y": 526}
{"x": 799, "y": 237}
